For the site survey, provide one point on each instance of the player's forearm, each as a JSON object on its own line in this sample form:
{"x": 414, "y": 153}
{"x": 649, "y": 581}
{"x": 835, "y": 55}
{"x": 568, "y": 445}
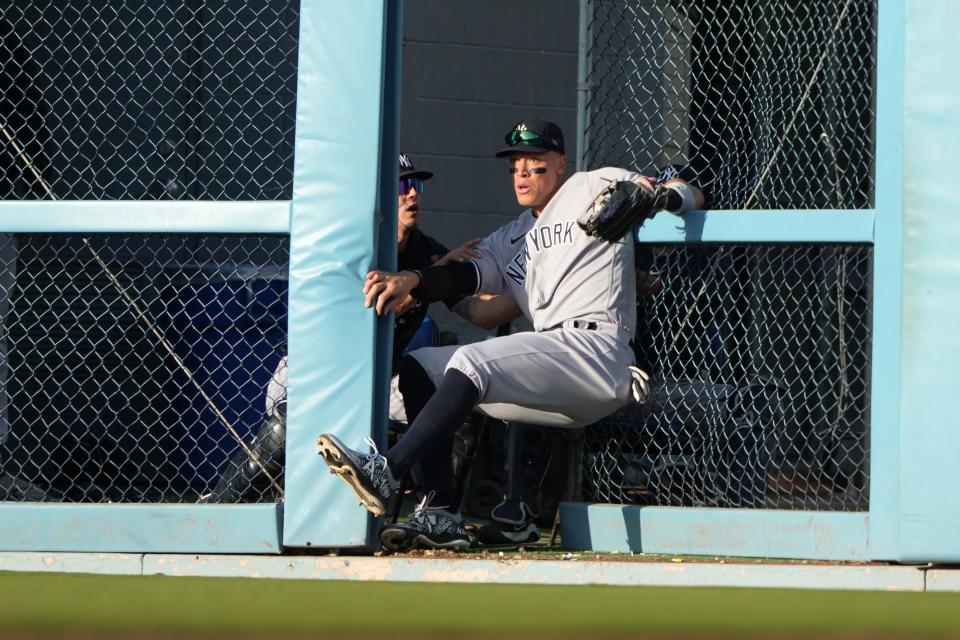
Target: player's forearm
{"x": 488, "y": 311}
{"x": 446, "y": 281}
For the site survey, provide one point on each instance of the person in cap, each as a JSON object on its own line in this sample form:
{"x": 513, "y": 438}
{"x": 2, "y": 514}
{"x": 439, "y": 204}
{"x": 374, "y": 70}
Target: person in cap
{"x": 416, "y": 250}
{"x": 578, "y": 291}
{"x": 244, "y": 480}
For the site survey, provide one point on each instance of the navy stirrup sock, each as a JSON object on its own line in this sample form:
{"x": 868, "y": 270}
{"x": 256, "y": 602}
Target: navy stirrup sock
{"x": 439, "y": 419}
{"x": 435, "y": 465}
{"x": 415, "y": 386}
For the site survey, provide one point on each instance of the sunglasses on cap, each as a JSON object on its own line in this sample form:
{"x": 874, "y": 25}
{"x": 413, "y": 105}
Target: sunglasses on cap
{"x": 406, "y": 184}
{"x": 529, "y": 138}
{"x": 532, "y": 170}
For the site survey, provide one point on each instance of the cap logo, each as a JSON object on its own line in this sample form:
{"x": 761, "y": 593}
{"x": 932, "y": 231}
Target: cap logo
{"x": 668, "y": 173}
{"x": 405, "y": 161}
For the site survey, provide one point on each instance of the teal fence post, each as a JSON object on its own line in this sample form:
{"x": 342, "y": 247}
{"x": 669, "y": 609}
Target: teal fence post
{"x": 332, "y": 337}
{"x": 887, "y": 261}
{"x": 929, "y": 509}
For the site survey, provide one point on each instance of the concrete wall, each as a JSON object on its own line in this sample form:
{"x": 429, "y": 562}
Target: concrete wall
{"x": 471, "y": 70}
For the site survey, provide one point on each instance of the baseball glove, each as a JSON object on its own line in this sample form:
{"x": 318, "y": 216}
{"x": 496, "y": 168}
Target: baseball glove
{"x": 619, "y": 208}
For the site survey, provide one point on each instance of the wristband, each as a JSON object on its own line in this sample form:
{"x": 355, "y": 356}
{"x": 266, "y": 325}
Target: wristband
{"x": 687, "y": 199}
{"x": 447, "y": 281}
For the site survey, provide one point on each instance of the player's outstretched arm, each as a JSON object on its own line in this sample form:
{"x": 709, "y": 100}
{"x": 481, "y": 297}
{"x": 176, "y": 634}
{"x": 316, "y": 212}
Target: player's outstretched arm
{"x": 621, "y": 206}
{"x": 625, "y": 205}
{"x": 386, "y": 291}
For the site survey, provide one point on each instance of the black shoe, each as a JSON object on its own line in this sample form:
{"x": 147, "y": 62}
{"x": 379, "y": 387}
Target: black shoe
{"x": 367, "y": 473}
{"x": 499, "y": 534}
{"x": 428, "y": 527}
{"x": 512, "y": 525}
{"x": 246, "y": 478}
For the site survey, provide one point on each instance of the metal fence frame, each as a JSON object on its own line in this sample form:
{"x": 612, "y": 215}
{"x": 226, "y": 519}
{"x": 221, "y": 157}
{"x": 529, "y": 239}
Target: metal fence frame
{"x": 827, "y": 535}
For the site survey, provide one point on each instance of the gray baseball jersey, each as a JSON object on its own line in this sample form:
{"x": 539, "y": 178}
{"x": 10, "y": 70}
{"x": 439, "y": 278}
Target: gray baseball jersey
{"x": 580, "y": 295}
{"x": 556, "y": 272}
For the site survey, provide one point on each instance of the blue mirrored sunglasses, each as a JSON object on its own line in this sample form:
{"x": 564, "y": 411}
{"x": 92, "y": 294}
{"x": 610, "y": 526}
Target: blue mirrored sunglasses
{"x": 406, "y": 184}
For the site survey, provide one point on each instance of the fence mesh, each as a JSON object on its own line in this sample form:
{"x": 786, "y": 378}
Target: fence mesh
{"x": 97, "y": 408}
{"x": 108, "y": 100}
{"x": 761, "y": 358}
{"x": 135, "y": 365}
{"x": 761, "y": 352}
{"x": 770, "y": 102}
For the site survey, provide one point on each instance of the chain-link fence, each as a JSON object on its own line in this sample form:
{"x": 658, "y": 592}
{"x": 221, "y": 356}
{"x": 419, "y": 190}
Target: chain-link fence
{"x": 134, "y": 364}
{"x": 770, "y": 102}
{"x": 761, "y": 355}
{"x": 134, "y": 367}
{"x": 760, "y": 352}
{"x": 109, "y": 100}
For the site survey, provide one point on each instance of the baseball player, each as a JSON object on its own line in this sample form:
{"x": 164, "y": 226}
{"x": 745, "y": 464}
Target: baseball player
{"x": 568, "y": 263}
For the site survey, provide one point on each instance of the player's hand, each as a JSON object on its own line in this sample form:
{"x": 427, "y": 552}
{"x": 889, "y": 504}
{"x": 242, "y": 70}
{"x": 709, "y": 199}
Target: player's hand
{"x": 462, "y": 253}
{"x": 385, "y": 291}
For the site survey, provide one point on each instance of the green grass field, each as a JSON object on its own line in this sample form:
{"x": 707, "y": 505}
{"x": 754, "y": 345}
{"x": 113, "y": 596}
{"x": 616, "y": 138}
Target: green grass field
{"x": 54, "y": 604}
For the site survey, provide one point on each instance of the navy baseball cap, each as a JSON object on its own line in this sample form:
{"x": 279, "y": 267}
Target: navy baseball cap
{"x": 533, "y": 136}
{"x": 407, "y": 170}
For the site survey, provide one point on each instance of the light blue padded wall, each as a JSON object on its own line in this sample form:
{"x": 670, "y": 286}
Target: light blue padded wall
{"x": 929, "y": 443}
{"x": 333, "y": 230}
